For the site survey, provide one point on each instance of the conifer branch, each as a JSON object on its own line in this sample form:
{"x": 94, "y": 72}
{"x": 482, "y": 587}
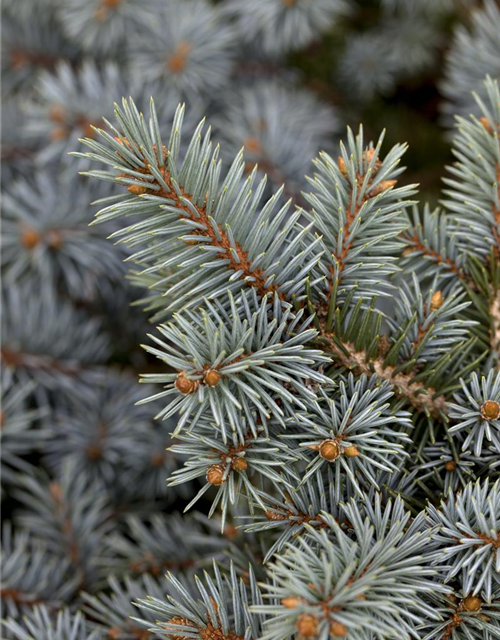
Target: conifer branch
{"x": 231, "y": 253}
{"x": 415, "y": 244}
{"x": 220, "y": 237}
{"x": 357, "y": 208}
{"x": 328, "y": 374}
{"x": 419, "y": 396}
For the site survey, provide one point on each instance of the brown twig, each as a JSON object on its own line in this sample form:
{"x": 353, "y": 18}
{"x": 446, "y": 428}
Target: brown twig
{"x": 437, "y": 257}
{"x": 217, "y": 235}
{"x": 418, "y": 395}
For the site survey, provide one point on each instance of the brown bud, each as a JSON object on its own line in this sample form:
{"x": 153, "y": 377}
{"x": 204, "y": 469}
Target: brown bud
{"x": 19, "y": 58}
{"x": 2, "y": 418}
{"x": 451, "y": 465}
{"x": 123, "y": 141}
{"x": 181, "y": 622}
{"x": 250, "y": 166}
{"x": 274, "y": 515}
{"x": 490, "y": 410}
{"x": 137, "y": 190}
{"x": 382, "y": 186}
{"x": 211, "y": 378}
{"x": 368, "y": 154}
{"x": 252, "y": 145}
{"x": 368, "y": 157}
{"x": 57, "y": 113}
{"x": 307, "y": 626}
{"x": 215, "y": 474}
{"x": 30, "y": 238}
{"x": 214, "y": 604}
{"x": 436, "y": 300}
{"x": 239, "y": 464}
{"x": 56, "y": 491}
{"x": 157, "y": 460}
{"x": 337, "y": 629}
{"x": 231, "y": 532}
{"x": 292, "y": 603}
{"x": 185, "y": 385}
{"x": 472, "y": 603}
{"x": 94, "y": 452}
{"x": 54, "y": 238}
{"x": 342, "y": 166}
{"x": 486, "y": 124}
{"x": 177, "y": 61}
{"x": 329, "y": 450}
{"x": 351, "y": 452}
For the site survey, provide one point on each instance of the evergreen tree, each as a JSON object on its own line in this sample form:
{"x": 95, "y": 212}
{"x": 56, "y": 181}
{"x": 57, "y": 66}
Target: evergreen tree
{"x": 321, "y": 357}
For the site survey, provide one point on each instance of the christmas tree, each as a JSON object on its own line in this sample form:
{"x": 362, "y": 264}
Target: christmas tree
{"x": 320, "y": 355}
